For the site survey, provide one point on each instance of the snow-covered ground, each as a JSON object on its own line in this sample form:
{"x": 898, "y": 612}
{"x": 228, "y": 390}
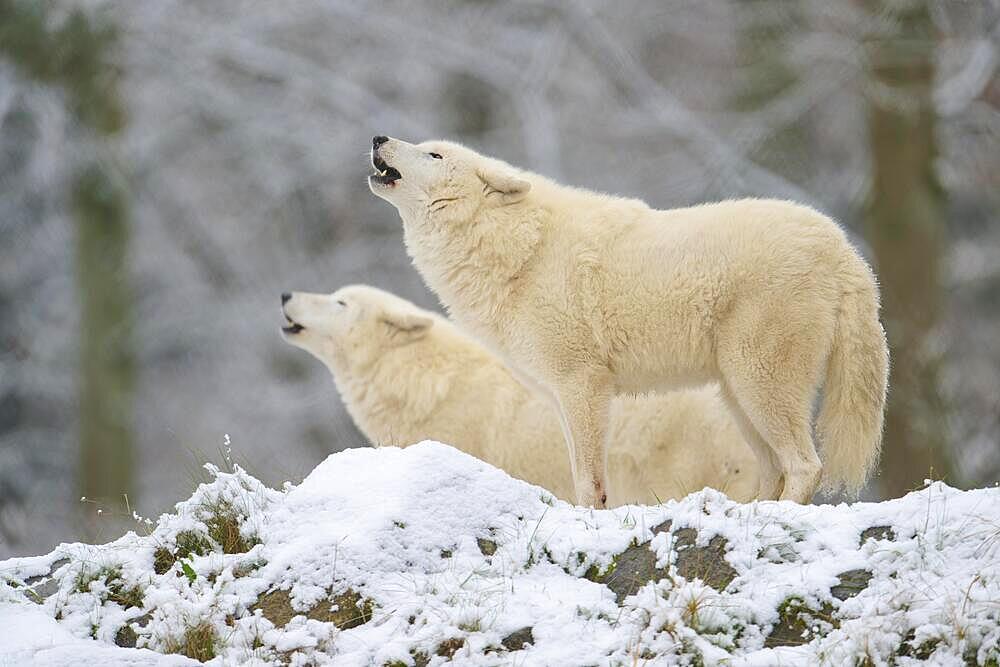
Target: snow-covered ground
{"x": 425, "y": 555}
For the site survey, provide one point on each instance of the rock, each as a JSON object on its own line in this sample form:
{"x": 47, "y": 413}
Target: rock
{"x": 43, "y": 589}
{"x": 851, "y": 583}
{"x": 707, "y": 563}
{"x": 795, "y": 623}
{"x": 684, "y": 538}
{"x": 629, "y": 571}
{"x": 56, "y": 564}
{"x": 636, "y": 566}
{"x": 662, "y": 527}
{"x": 126, "y": 637}
{"x": 877, "y": 533}
{"x": 45, "y": 585}
{"x": 143, "y": 621}
{"x": 517, "y": 640}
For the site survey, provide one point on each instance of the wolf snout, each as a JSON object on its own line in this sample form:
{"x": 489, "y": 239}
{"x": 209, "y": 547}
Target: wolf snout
{"x": 293, "y": 326}
{"x": 385, "y": 175}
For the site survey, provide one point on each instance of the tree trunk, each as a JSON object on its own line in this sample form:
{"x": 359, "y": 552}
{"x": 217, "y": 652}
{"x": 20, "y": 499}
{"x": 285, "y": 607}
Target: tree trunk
{"x": 906, "y": 229}
{"x": 107, "y": 368}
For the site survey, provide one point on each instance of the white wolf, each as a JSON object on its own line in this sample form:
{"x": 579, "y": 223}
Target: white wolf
{"x": 406, "y": 374}
{"x": 591, "y": 296}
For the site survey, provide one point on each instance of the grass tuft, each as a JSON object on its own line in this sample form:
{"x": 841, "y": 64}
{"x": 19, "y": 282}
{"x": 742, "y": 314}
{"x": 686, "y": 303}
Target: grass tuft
{"x": 486, "y": 547}
{"x": 199, "y": 642}
{"x": 223, "y": 523}
{"x": 117, "y": 590}
{"x": 188, "y": 542}
{"x": 449, "y": 647}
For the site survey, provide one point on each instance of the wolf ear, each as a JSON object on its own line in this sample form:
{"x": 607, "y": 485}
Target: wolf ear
{"x": 511, "y": 188}
{"x": 410, "y": 324}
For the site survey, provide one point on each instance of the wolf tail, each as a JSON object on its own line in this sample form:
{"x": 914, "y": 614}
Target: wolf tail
{"x": 857, "y": 377}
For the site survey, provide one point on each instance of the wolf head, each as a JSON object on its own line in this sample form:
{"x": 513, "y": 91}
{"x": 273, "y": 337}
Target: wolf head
{"x": 441, "y": 180}
{"x": 353, "y": 326}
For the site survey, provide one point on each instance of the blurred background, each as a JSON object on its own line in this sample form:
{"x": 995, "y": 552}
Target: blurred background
{"x": 168, "y": 168}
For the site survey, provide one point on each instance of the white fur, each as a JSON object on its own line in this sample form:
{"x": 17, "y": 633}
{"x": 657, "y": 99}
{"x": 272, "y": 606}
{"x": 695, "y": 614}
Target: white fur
{"x": 590, "y": 296}
{"x": 406, "y": 375}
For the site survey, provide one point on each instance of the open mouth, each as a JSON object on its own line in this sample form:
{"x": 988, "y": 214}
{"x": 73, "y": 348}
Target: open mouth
{"x": 293, "y": 326}
{"x": 385, "y": 175}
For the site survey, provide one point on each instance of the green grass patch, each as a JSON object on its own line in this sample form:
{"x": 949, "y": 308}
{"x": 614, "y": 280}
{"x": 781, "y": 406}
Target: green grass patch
{"x": 118, "y": 591}
{"x": 188, "y": 543}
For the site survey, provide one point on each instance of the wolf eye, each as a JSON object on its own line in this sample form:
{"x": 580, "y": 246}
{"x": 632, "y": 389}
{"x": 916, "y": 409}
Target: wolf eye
{"x": 436, "y": 156}
{"x": 341, "y": 302}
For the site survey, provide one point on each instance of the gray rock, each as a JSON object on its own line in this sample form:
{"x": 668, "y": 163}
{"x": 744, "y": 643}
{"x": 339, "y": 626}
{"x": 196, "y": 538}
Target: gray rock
{"x": 517, "y": 640}
{"x": 707, "y": 563}
{"x": 632, "y": 569}
{"x": 126, "y": 637}
{"x": 636, "y": 566}
{"x": 877, "y": 533}
{"x": 851, "y": 583}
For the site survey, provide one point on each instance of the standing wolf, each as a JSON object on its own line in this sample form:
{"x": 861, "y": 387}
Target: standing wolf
{"x": 589, "y": 296}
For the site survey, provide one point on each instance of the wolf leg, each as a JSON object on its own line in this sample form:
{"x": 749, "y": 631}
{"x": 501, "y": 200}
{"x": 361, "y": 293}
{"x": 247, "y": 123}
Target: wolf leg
{"x": 584, "y": 408}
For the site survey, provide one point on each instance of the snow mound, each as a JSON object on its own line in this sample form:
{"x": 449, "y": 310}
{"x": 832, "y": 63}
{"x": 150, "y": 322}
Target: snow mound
{"x": 424, "y": 555}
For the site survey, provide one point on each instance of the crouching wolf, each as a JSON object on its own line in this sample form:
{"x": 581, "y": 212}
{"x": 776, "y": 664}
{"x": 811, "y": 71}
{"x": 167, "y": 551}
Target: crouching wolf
{"x": 406, "y": 375}
{"x": 590, "y": 296}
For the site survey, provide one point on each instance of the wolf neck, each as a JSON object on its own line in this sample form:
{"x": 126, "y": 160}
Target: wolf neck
{"x": 474, "y": 267}
{"x": 393, "y": 397}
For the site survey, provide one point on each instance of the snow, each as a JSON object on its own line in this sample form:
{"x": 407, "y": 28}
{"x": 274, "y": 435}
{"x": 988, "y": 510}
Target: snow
{"x": 31, "y": 636}
{"x": 411, "y": 531}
